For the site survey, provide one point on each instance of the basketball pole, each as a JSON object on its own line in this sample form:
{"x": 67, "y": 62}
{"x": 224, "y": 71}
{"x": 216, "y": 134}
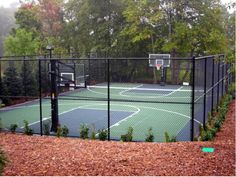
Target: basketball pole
{"x": 162, "y": 83}
{"x": 54, "y": 92}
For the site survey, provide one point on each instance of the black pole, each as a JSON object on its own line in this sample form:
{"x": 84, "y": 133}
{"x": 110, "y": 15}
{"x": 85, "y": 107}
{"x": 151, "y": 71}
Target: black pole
{"x": 193, "y": 95}
{"x": 218, "y": 84}
{"x": 223, "y": 77}
{"x": 54, "y": 91}
{"x": 75, "y": 75}
{"x": 54, "y": 99}
{"x": 108, "y": 98}
{"x": 89, "y": 72}
{"x": 1, "y": 76}
{"x": 212, "y": 85}
{"x": 204, "y": 108}
{"x": 24, "y": 75}
{"x": 162, "y": 83}
{"x": 40, "y": 99}
{"x": 85, "y": 79}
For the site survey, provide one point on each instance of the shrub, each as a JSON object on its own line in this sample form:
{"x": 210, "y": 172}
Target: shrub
{"x": 13, "y": 128}
{"x": 149, "y": 136}
{"x": 195, "y": 138}
{"x": 3, "y": 161}
{"x": 217, "y": 124}
{"x": 213, "y": 131}
{"x": 231, "y": 90}
{"x": 93, "y": 135}
{"x": 46, "y": 128}
{"x": 65, "y": 131}
{"x": 84, "y": 131}
{"x": 128, "y": 136}
{"x": 1, "y": 125}
{"x": 102, "y": 134}
{"x": 168, "y": 138}
{"x": 59, "y": 131}
{"x": 27, "y": 129}
{"x": 207, "y": 135}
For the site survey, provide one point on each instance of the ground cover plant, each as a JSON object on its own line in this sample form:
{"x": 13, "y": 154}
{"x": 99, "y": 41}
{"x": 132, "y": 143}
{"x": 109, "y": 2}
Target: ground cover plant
{"x": 3, "y": 160}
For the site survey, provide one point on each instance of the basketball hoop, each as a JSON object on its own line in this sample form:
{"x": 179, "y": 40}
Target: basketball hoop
{"x": 158, "y": 67}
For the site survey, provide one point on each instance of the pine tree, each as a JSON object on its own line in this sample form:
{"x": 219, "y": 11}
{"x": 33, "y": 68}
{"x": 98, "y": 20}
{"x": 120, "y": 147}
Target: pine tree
{"x": 28, "y": 80}
{"x": 11, "y": 82}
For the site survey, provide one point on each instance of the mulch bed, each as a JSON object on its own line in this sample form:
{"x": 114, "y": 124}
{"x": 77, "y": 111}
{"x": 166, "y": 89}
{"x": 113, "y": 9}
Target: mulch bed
{"x": 35, "y": 155}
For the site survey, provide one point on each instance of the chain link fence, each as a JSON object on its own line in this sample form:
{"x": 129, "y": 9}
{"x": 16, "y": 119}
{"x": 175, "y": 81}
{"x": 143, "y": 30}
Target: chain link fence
{"x": 112, "y": 94}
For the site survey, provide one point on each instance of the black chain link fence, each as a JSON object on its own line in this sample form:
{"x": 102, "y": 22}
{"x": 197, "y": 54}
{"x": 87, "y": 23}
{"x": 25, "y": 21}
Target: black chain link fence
{"x": 112, "y": 94}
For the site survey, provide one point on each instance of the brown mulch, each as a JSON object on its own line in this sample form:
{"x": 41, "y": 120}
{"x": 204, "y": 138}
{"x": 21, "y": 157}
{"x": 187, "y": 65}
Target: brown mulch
{"x": 37, "y": 155}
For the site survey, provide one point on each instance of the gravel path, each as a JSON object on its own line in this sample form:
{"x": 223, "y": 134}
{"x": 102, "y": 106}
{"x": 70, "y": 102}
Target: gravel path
{"x": 35, "y": 155}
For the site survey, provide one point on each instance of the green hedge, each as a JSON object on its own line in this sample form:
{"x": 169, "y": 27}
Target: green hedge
{"x": 215, "y": 120}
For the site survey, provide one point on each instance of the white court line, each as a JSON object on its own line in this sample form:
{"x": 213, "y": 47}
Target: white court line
{"x": 171, "y": 112}
{"x": 45, "y": 118}
{"x": 160, "y": 96}
{"x": 121, "y": 93}
{"x": 136, "y": 96}
{"x": 84, "y": 107}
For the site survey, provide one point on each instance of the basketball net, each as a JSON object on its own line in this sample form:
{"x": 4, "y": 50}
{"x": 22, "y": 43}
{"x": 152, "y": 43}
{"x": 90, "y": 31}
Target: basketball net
{"x": 158, "y": 67}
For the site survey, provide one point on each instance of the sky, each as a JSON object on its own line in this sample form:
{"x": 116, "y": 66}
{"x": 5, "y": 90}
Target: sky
{"x": 7, "y": 3}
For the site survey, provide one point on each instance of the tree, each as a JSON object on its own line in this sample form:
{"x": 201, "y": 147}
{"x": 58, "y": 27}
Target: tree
{"x": 28, "y": 79}
{"x": 26, "y": 18}
{"x": 22, "y": 43}
{"x": 7, "y": 22}
{"x": 11, "y": 82}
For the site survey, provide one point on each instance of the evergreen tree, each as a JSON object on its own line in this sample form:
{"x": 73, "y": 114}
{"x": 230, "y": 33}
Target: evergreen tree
{"x": 11, "y": 82}
{"x": 28, "y": 80}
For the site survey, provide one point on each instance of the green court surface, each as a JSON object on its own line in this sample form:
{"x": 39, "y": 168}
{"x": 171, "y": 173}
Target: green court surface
{"x": 141, "y": 106}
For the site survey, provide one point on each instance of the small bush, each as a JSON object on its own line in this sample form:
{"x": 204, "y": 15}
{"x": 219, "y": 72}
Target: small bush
{"x": 3, "y": 161}
{"x": 84, "y": 131}
{"x": 46, "y": 128}
{"x": 168, "y": 138}
{"x": 231, "y": 90}
{"x": 27, "y": 129}
{"x": 13, "y": 128}
{"x": 102, "y": 134}
{"x": 93, "y": 135}
{"x": 1, "y": 125}
{"x": 217, "y": 124}
{"x": 213, "y": 131}
{"x": 65, "y": 131}
{"x": 59, "y": 131}
{"x": 149, "y": 136}
{"x": 207, "y": 136}
{"x": 128, "y": 136}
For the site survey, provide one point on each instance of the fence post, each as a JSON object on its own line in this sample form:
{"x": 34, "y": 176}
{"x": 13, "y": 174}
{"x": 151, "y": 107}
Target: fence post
{"x": 218, "y": 83}
{"x": 223, "y": 77}
{"x": 193, "y": 95}
{"x": 24, "y": 75}
{"x": 108, "y": 98}
{"x": 212, "y": 85}
{"x": 40, "y": 99}
{"x": 0, "y": 76}
{"x": 204, "y": 108}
